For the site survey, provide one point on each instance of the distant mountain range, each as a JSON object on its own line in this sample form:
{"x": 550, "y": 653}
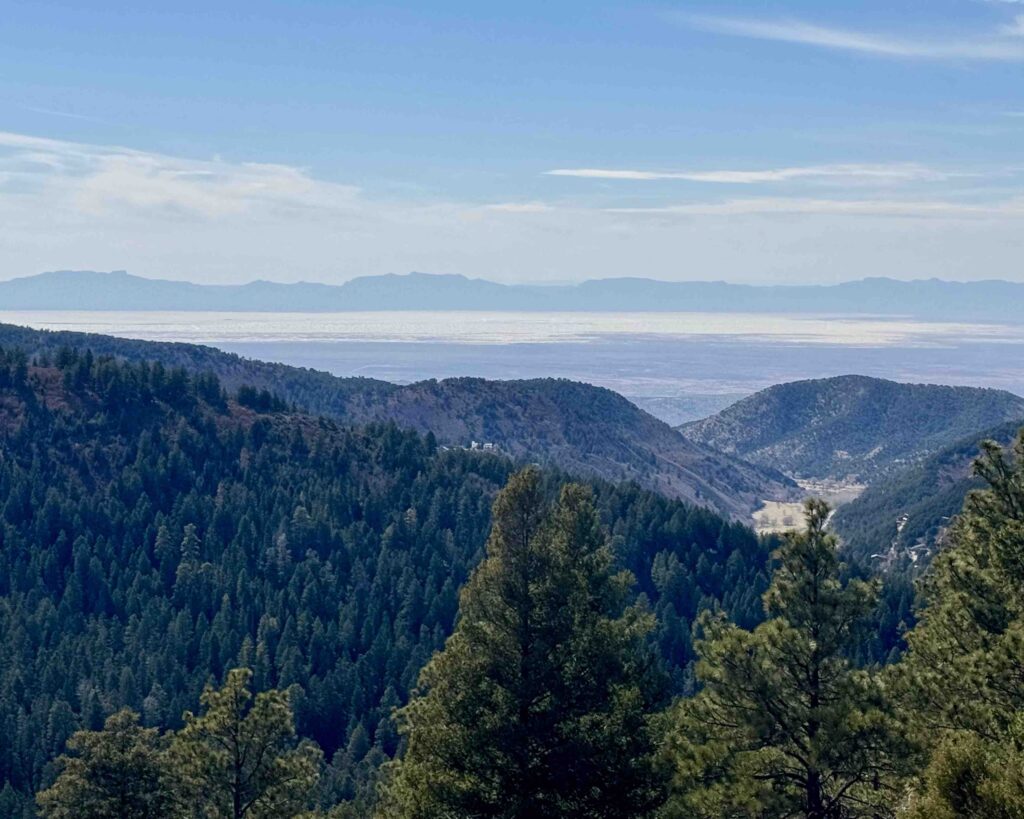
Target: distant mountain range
{"x": 578, "y": 427}
{"x": 851, "y": 428}
{"x": 924, "y": 299}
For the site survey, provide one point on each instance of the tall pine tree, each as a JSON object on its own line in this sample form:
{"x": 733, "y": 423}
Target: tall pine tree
{"x": 964, "y": 671}
{"x": 784, "y": 725}
{"x": 539, "y": 704}
{"x": 239, "y": 760}
{"x": 117, "y": 773}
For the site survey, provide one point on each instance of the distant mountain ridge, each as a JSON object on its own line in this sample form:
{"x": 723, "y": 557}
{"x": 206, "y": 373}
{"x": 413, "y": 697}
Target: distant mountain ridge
{"x": 851, "y": 428}
{"x": 578, "y": 427}
{"x": 924, "y": 299}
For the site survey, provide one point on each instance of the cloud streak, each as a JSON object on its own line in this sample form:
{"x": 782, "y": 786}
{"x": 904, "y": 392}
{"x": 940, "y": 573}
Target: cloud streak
{"x": 50, "y": 112}
{"x": 795, "y": 206}
{"x": 877, "y": 173}
{"x": 518, "y": 207}
{"x": 91, "y": 180}
{"x": 982, "y": 48}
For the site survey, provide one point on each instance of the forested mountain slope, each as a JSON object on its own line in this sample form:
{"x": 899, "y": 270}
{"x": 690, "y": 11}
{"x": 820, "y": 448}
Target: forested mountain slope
{"x": 155, "y": 532}
{"x": 585, "y": 429}
{"x": 912, "y": 508}
{"x": 851, "y": 428}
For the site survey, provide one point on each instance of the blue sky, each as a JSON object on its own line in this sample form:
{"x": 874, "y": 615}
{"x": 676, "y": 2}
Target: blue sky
{"x": 756, "y": 141}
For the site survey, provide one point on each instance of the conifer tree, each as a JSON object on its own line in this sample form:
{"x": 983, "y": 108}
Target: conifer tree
{"x": 14, "y": 805}
{"x": 117, "y": 773}
{"x": 239, "y": 758}
{"x": 108, "y": 494}
{"x": 970, "y": 778}
{"x": 784, "y": 725}
{"x": 538, "y": 704}
{"x": 964, "y": 671}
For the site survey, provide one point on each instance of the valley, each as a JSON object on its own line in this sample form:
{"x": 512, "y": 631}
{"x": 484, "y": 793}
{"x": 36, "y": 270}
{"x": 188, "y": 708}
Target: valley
{"x": 775, "y": 517}
{"x": 843, "y": 440}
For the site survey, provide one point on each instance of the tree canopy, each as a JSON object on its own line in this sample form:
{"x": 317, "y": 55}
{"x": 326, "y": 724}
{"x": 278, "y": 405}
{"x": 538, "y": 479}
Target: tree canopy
{"x": 159, "y": 536}
{"x": 155, "y": 533}
{"x": 539, "y": 705}
{"x": 963, "y": 676}
{"x": 116, "y": 773}
{"x": 785, "y": 724}
{"x": 239, "y": 759}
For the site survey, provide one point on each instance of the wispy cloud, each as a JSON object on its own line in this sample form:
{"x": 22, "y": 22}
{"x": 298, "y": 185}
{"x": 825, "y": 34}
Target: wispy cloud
{"x": 518, "y": 207}
{"x": 94, "y": 179}
{"x": 768, "y": 206}
{"x": 985, "y": 47}
{"x": 72, "y": 205}
{"x": 1016, "y": 28}
{"x": 50, "y": 112}
{"x": 908, "y": 172}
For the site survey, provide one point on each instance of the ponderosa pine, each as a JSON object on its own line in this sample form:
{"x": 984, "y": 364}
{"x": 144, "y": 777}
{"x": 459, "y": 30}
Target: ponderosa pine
{"x": 784, "y": 724}
{"x": 539, "y": 704}
{"x": 964, "y": 671}
{"x": 119, "y": 772}
{"x": 240, "y": 759}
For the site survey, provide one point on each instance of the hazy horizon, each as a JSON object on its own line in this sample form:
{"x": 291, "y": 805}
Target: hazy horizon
{"x": 677, "y": 366}
{"x": 337, "y": 282}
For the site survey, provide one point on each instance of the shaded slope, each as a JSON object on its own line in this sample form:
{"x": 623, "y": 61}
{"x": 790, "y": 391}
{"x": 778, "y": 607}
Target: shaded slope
{"x": 851, "y": 428}
{"x": 913, "y": 507}
{"x": 584, "y": 429}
